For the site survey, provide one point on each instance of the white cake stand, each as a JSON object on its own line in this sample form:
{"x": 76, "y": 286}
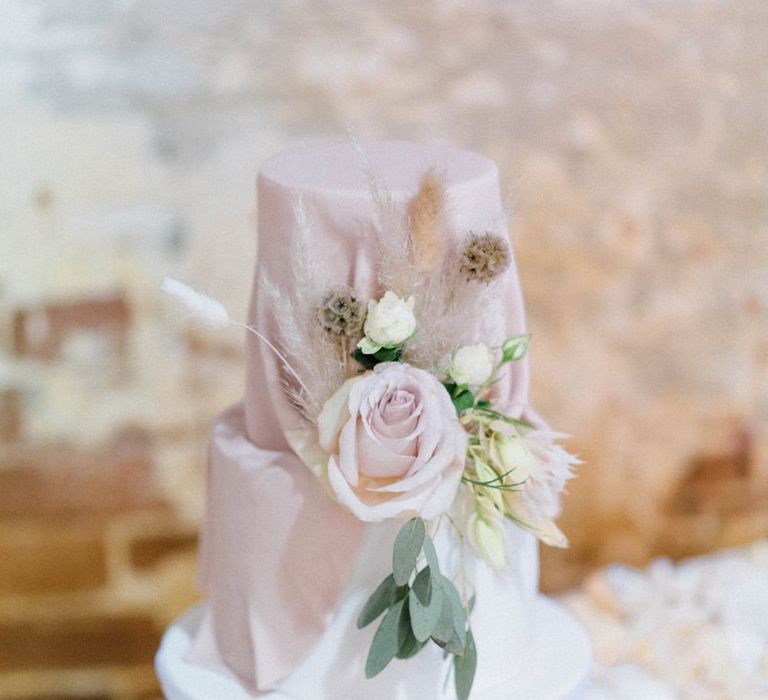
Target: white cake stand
{"x": 559, "y": 659}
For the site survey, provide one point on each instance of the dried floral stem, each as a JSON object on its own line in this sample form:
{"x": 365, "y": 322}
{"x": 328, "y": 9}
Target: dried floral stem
{"x": 344, "y": 349}
{"x": 280, "y": 355}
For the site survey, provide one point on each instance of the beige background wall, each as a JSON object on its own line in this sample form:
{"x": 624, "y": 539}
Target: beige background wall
{"x": 632, "y": 141}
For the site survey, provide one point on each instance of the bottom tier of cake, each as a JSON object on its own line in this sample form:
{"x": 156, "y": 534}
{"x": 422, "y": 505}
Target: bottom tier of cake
{"x": 553, "y": 664}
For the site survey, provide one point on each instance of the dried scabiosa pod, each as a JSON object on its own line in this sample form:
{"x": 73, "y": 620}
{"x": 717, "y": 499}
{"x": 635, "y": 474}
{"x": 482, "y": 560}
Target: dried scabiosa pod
{"x": 341, "y": 313}
{"x": 484, "y": 256}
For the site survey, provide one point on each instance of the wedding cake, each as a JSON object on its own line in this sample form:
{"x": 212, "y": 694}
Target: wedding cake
{"x": 375, "y": 504}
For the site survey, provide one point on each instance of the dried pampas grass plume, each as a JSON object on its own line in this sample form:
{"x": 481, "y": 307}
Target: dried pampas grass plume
{"x": 426, "y": 213}
{"x": 295, "y": 301}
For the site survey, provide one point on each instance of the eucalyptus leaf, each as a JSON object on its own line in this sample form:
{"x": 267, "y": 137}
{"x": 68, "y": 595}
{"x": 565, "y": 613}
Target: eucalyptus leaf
{"x": 409, "y": 646}
{"x": 425, "y": 602}
{"x": 452, "y": 646}
{"x": 459, "y": 614}
{"x": 422, "y": 586}
{"x": 444, "y": 629}
{"x": 386, "y": 641}
{"x": 408, "y": 545}
{"x": 515, "y": 348}
{"x": 464, "y": 668}
{"x": 431, "y": 555}
{"x": 404, "y": 630}
{"x": 380, "y": 600}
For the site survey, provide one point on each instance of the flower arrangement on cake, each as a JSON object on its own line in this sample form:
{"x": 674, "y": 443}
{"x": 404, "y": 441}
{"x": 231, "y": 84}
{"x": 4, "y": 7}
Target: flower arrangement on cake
{"x": 401, "y": 417}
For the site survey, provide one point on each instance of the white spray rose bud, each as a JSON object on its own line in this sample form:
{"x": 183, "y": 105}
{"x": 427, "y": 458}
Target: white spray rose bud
{"x": 472, "y": 364}
{"x": 388, "y": 323}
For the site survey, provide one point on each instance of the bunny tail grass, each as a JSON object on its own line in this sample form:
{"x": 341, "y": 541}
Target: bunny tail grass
{"x": 426, "y": 216}
{"x": 212, "y": 314}
{"x": 201, "y": 307}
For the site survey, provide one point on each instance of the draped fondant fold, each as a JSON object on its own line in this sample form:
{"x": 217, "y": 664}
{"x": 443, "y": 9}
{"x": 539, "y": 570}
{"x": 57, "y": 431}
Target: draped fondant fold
{"x": 276, "y": 552}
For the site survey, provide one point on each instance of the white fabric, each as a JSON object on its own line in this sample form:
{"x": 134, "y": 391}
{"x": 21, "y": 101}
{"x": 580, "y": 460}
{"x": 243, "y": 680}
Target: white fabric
{"x": 528, "y": 648}
{"x": 553, "y": 665}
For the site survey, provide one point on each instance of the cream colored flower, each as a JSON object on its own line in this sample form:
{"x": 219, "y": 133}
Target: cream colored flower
{"x": 389, "y": 323}
{"x": 512, "y": 455}
{"x": 472, "y": 364}
{"x": 487, "y": 538}
{"x": 525, "y": 512}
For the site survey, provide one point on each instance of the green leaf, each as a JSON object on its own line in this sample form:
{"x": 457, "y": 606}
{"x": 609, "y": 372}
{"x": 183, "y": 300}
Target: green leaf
{"x": 432, "y": 562}
{"x": 386, "y": 641}
{"x": 515, "y": 348}
{"x": 389, "y": 354}
{"x": 484, "y": 404}
{"x": 384, "y": 596}
{"x": 409, "y": 646}
{"x": 367, "y": 361}
{"x": 408, "y": 545}
{"x": 444, "y": 629}
{"x": 459, "y": 614}
{"x": 464, "y": 401}
{"x": 464, "y": 668}
{"x": 422, "y": 586}
{"x": 425, "y": 602}
{"x": 452, "y": 646}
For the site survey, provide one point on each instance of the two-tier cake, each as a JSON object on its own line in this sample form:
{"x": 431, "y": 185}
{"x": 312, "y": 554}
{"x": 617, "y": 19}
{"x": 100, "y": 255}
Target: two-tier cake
{"x": 375, "y": 503}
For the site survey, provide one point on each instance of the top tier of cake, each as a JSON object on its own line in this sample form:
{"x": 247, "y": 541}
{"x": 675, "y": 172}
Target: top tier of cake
{"x": 333, "y": 184}
{"x": 337, "y": 169}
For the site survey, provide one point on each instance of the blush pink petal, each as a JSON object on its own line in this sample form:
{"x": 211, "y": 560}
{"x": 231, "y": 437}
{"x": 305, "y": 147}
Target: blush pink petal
{"x": 441, "y": 498}
{"x": 404, "y": 506}
{"x": 437, "y": 463}
{"x": 332, "y": 417}
{"x": 348, "y": 452}
{"x": 376, "y": 461}
{"x": 400, "y": 426}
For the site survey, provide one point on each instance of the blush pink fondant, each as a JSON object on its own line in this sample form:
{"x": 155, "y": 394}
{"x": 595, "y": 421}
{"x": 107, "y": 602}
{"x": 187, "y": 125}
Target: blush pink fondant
{"x": 335, "y": 194}
{"x": 275, "y": 554}
{"x": 276, "y": 548}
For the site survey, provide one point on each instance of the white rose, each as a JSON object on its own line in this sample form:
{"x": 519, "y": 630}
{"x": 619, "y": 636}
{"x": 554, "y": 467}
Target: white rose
{"x": 472, "y": 364}
{"x": 388, "y": 323}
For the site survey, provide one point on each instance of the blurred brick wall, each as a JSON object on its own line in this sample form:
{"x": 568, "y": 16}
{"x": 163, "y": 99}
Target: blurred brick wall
{"x": 631, "y": 138}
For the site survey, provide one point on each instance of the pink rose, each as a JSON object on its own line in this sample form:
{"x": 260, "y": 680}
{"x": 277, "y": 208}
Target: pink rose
{"x": 395, "y": 444}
